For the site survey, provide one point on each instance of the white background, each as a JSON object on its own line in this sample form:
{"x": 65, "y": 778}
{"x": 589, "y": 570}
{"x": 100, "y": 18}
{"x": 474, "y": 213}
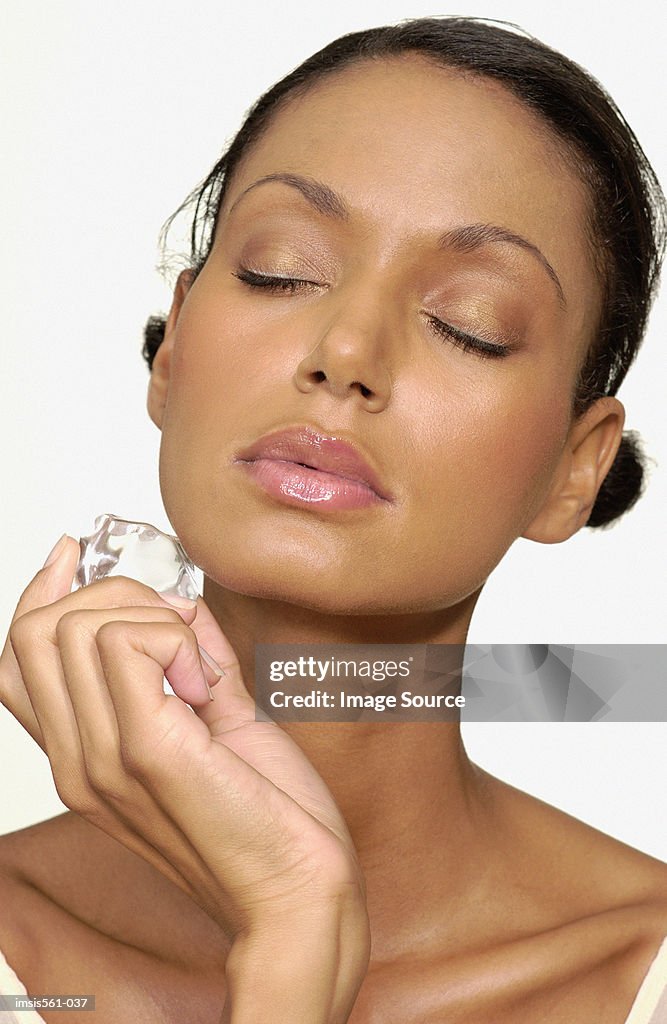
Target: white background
{"x": 112, "y": 113}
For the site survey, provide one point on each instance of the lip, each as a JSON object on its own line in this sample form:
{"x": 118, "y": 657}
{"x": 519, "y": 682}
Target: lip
{"x": 331, "y": 456}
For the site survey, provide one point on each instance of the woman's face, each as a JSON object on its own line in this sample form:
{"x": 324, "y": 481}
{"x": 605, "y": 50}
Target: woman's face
{"x": 458, "y": 211}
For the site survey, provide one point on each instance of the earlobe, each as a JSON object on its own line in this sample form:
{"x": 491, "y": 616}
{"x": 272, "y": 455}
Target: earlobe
{"x": 158, "y": 386}
{"x": 589, "y": 452}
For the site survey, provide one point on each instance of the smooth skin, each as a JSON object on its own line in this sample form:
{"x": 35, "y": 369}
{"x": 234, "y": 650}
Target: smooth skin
{"x": 483, "y": 903}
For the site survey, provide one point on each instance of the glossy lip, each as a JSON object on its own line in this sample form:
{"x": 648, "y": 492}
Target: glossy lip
{"x": 304, "y": 445}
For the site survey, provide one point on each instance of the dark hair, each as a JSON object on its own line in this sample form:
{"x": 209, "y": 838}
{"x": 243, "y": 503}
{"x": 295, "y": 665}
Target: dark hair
{"x": 627, "y": 222}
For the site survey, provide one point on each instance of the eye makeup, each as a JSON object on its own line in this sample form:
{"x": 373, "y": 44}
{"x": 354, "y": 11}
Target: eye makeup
{"x": 470, "y": 342}
{"x": 271, "y": 282}
{"x": 462, "y": 339}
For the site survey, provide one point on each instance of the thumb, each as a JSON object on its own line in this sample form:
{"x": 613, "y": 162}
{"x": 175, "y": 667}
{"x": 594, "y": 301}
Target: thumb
{"x": 211, "y": 637}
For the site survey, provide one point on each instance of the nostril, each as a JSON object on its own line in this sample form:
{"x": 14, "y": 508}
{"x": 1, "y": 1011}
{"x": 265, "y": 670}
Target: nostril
{"x": 318, "y": 376}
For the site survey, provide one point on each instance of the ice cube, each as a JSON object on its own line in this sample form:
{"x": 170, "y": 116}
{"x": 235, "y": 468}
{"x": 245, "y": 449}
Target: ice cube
{"x": 120, "y": 547}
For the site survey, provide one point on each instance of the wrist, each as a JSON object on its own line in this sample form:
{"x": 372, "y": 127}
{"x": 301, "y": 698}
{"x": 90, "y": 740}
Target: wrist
{"x": 306, "y": 966}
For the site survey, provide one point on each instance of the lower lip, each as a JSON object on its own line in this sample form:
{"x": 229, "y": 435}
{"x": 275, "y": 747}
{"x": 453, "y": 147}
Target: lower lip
{"x": 301, "y": 485}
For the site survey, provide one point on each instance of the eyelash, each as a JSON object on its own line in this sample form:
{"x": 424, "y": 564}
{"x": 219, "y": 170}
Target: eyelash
{"x": 282, "y": 284}
{"x": 467, "y": 342}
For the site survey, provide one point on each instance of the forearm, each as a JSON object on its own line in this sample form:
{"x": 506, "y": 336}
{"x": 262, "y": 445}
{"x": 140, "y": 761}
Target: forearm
{"x": 305, "y": 971}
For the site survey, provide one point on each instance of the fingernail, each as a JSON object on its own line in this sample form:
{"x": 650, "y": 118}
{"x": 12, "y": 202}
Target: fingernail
{"x": 55, "y": 551}
{"x": 178, "y": 601}
{"x": 211, "y": 663}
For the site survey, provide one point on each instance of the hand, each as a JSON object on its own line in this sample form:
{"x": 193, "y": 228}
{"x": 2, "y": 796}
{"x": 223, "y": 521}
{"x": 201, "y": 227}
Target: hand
{"x": 227, "y": 807}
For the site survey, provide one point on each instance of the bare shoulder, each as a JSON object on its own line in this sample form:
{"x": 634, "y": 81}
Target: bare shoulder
{"x": 602, "y": 902}
{"x": 81, "y": 913}
{"x": 97, "y": 881}
{"x": 580, "y": 862}
{"x": 64, "y": 862}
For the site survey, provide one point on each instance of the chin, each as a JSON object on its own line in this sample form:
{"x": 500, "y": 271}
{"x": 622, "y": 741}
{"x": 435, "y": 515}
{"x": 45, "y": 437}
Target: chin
{"x": 305, "y": 590}
{"x": 301, "y": 590}
{"x": 316, "y": 576}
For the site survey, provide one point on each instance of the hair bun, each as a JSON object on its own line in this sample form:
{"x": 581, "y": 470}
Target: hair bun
{"x": 153, "y": 338}
{"x": 623, "y": 484}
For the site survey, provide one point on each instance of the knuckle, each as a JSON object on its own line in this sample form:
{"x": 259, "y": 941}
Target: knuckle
{"x": 109, "y": 633}
{"x": 184, "y": 634}
{"x": 135, "y": 758}
{"x": 73, "y": 791}
{"x": 23, "y": 630}
{"x": 107, "y": 783}
{"x": 73, "y": 622}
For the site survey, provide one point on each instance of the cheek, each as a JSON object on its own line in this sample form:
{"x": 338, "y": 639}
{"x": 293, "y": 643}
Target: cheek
{"x": 525, "y": 441}
{"x": 503, "y": 438}
{"x": 226, "y": 367}
{"x": 204, "y": 398}
{"x": 226, "y": 362}
{"x": 218, "y": 376}
{"x": 487, "y": 473}
{"x": 211, "y": 346}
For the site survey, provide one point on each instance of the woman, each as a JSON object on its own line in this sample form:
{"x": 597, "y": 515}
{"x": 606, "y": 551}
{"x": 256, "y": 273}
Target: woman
{"x": 419, "y": 276}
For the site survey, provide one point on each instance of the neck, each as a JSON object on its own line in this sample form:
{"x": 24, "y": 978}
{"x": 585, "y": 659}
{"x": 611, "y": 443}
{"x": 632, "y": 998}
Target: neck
{"x": 412, "y": 800}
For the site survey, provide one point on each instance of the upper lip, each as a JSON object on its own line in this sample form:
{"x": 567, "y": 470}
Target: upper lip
{"x": 312, "y": 447}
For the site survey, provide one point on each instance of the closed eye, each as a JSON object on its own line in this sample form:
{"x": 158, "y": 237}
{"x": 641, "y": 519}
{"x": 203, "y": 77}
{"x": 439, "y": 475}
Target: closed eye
{"x": 469, "y": 342}
{"x": 271, "y": 282}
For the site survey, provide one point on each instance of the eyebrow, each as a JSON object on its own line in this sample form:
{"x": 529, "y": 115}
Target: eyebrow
{"x": 463, "y": 239}
{"x": 319, "y": 195}
{"x": 472, "y": 236}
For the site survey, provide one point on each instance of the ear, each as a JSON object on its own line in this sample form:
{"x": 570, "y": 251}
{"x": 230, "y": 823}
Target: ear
{"x": 589, "y": 451}
{"x": 158, "y": 386}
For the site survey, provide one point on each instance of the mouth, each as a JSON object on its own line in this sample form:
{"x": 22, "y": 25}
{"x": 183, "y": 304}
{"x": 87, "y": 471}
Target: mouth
{"x": 305, "y": 466}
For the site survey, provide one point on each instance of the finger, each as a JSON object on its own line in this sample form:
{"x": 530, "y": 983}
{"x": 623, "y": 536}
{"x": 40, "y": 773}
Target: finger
{"x": 52, "y": 585}
{"x": 40, "y": 607}
{"x": 39, "y": 674}
{"x": 13, "y": 694}
{"x": 49, "y": 584}
{"x": 92, "y": 781}
{"x": 231, "y": 699}
{"x": 51, "y": 581}
{"x": 76, "y": 639}
{"x": 135, "y": 656}
{"x": 49, "y": 592}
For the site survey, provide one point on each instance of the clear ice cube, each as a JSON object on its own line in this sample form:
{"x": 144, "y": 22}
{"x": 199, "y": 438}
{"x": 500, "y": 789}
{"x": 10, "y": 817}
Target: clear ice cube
{"x": 120, "y": 547}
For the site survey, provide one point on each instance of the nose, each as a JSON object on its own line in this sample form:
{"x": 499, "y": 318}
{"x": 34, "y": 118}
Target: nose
{"x": 350, "y": 361}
